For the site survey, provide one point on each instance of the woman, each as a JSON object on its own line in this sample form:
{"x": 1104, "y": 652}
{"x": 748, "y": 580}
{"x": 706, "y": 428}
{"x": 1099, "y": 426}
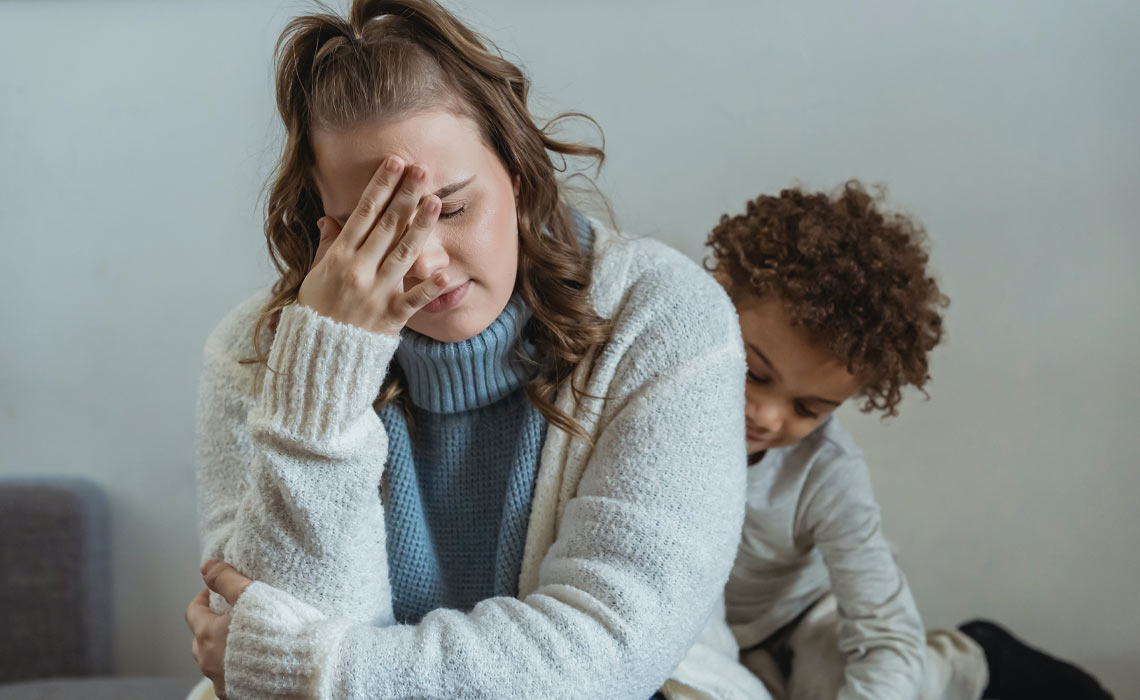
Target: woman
{"x": 470, "y": 444}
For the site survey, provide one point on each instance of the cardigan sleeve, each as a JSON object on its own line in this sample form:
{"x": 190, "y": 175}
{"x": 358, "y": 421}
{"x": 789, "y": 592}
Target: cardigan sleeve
{"x": 288, "y": 467}
{"x": 642, "y": 553}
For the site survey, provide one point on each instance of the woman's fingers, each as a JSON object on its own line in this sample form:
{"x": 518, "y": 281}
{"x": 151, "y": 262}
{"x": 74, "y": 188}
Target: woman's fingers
{"x": 395, "y": 219}
{"x": 198, "y": 614}
{"x": 408, "y": 249}
{"x": 422, "y": 294}
{"x": 225, "y": 580}
{"x": 360, "y": 280}
{"x": 208, "y": 645}
{"x": 330, "y": 230}
{"x": 373, "y": 202}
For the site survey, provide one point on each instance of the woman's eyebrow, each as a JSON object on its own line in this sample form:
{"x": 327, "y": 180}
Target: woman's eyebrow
{"x": 453, "y": 187}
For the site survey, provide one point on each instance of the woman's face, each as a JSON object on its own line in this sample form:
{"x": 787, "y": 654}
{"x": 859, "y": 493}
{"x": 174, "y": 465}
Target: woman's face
{"x": 476, "y": 239}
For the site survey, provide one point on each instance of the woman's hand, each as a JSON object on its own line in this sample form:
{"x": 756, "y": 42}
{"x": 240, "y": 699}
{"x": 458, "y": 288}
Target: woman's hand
{"x": 210, "y": 629}
{"x": 358, "y": 277}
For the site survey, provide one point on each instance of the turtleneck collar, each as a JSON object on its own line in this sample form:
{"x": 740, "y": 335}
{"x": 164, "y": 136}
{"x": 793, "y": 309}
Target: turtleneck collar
{"x": 455, "y": 377}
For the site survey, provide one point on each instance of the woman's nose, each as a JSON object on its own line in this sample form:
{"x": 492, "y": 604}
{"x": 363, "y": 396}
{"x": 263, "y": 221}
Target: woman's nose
{"x": 432, "y": 258}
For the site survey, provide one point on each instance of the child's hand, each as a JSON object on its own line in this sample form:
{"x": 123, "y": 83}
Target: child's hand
{"x": 358, "y": 273}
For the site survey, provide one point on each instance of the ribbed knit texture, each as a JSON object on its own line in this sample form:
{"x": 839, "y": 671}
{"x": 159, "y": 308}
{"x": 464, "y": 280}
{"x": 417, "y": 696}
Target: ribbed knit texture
{"x": 460, "y": 483}
{"x": 322, "y": 374}
{"x": 457, "y": 377}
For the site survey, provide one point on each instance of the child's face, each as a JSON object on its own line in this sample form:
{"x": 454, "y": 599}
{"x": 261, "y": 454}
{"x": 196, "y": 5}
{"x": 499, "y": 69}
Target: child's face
{"x": 792, "y": 384}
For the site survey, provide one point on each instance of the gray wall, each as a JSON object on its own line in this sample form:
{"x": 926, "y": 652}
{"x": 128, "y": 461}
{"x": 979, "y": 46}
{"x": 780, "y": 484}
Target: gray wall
{"x": 135, "y": 138}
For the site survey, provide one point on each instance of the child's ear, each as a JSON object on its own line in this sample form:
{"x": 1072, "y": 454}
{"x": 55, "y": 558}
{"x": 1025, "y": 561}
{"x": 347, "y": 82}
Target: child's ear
{"x": 722, "y": 276}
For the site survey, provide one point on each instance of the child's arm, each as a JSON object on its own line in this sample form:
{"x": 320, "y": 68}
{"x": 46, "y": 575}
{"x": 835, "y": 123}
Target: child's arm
{"x": 880, "y": 630}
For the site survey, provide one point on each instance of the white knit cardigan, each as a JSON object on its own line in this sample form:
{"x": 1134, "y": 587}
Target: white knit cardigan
{"x": 628, "y": 547}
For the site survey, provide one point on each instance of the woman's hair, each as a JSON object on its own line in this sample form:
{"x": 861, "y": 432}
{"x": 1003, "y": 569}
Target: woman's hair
{"x": 852, "y": 276}
{"x": 392, "y": 59}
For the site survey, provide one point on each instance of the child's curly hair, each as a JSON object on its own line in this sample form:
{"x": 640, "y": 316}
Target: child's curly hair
{"x": 852, "y": 276}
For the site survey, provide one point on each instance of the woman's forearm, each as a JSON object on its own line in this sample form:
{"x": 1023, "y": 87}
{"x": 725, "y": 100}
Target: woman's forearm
{"x": 288, "y": 481}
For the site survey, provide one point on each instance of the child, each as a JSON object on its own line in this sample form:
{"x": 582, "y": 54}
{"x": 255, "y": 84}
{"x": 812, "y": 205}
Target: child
{"x": 835, "y": 301}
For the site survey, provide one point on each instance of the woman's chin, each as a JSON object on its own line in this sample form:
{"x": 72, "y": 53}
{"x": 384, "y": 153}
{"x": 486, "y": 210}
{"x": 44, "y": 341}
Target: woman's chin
{"x": 473, "y": 314}
{"x": 452, "y": 326}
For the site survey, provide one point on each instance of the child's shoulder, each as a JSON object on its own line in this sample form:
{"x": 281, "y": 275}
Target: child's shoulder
{"x": 827, "y": 453}
{"x": 834, "y": 481}
{"x": 832, "y": 437}
{"x": 829, "y": 442}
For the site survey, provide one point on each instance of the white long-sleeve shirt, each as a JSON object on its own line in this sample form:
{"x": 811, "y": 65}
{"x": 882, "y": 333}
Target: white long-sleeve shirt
{"x": 813, "y": 526}
{"x": 628, "y": 546}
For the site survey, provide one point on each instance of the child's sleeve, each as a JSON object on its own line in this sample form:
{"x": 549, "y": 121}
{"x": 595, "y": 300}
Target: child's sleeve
{"x": 288, "y": 469}
{"x": 880, "y": 630}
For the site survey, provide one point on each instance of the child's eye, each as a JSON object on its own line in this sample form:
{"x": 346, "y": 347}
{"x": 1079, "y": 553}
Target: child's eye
{"x": 453, "y": 214}
{"x": 758, "y": 380}
{"x": 803, "y": 412}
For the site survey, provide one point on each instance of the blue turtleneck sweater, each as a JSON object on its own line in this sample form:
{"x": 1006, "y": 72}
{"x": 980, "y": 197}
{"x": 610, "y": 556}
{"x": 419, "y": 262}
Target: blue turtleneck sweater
{"x": 460, "y": 482}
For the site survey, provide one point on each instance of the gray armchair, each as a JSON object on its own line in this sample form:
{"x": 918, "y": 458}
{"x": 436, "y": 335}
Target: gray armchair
{"x": 55, "y": 596}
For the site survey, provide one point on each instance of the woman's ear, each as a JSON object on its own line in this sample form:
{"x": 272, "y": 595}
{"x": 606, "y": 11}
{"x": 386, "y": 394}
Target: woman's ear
{"x": 516, "y": 185}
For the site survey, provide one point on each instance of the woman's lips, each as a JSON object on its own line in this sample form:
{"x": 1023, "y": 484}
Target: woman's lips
{"x": 449, "y": 299}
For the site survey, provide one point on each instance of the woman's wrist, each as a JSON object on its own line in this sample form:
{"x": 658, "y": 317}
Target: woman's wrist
{"x": 322, "y": 374}
{"x": 277, "y": 645}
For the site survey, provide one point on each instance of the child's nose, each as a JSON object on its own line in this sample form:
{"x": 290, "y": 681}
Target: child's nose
{"x": 765, "y": 416}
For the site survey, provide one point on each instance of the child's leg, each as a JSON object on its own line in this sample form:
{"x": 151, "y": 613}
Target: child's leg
{"x": 817, "y": 664}
{"x": 955, "y": 667}
{"x": 759, "y": 661}
{"x": 955, "y": 664}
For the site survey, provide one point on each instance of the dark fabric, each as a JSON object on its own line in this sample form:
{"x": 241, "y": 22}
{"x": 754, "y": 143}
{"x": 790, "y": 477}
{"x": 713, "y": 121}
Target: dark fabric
{"x": 1021, "y": 672}
{"x": 99, "y": 689}
{"x": 55, "y": 595}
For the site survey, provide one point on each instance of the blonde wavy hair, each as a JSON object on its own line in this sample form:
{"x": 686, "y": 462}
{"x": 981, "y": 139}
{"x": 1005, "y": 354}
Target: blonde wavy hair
{"x": 394, "y": 58}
